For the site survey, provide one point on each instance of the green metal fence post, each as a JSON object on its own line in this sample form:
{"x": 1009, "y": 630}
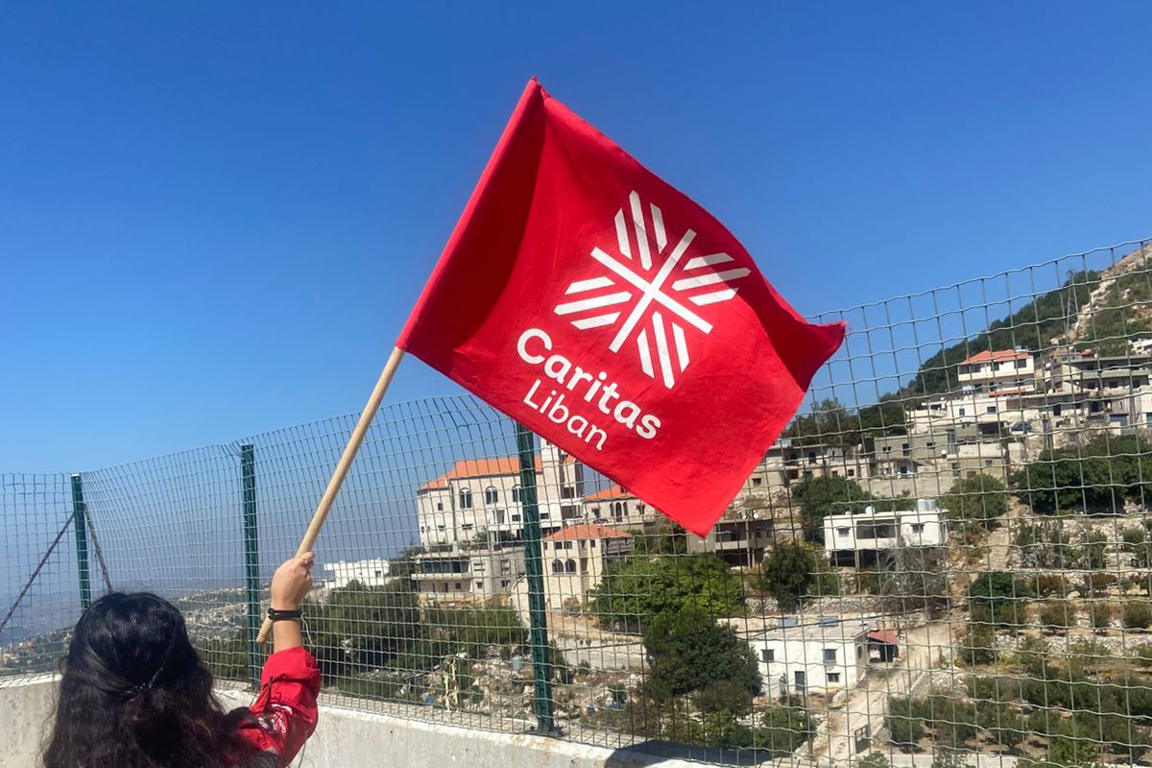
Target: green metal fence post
{"x": 534, "y": 569}
{"x": 80, "y": 521}
{"x": 251, "y": 560}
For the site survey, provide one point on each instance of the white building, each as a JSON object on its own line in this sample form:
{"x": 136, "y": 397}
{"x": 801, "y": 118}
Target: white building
{"x": 369, "y": 573}
{"x": 475, "y": 574}
{"x": 821, "y": 657}
{"x": 999, "y": 369}
{"x": 847, "y": 534}
{"x": 483, "y": 496}
{"x": 575, "y": 559}
{"x": 619, "y": 507}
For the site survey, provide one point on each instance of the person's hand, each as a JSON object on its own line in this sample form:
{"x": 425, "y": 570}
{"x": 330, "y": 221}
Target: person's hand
{"x": 291, "y": 582}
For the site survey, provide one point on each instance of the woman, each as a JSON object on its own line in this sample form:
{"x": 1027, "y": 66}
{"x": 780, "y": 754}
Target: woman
{"x": 134, "y": 693}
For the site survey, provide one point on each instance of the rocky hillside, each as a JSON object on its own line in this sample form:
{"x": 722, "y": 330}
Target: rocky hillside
{"x": 1092, "y": 309}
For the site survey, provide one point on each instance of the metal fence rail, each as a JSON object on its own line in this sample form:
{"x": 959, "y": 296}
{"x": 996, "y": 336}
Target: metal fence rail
{"x": 947, "y": 558}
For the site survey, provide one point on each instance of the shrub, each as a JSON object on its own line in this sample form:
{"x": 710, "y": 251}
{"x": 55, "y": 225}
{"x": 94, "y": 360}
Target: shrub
{"x": 905, "y": 721}
{"x": 784, "y": 728}
{"x": 1143, "y": 654}
{"x": 1048, "y": 584}
{"x": 1001, "y": 594}
{"x": 1091, "y": 552}
{"x": 873, "y": 760}
{"x": 979, "y": 645}
{"x": 1100, "y": 615}
{"x": 1133, "y": 536}
{"x": 1098, "y": 584}
{"x": 1058, "y": 615}
{"x": 1136, "y": 615}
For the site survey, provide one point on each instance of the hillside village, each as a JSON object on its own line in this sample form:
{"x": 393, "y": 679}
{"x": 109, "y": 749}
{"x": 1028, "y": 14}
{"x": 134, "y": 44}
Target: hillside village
{"x": 876, "y": 557}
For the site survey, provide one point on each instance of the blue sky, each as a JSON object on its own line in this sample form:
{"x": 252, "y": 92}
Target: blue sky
{"x": 214, "y": 217}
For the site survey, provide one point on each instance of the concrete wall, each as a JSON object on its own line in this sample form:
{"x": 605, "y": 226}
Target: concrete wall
{"x": 348, "y": 738}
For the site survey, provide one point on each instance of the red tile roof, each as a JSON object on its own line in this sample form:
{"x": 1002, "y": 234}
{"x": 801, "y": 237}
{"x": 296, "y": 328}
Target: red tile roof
{"x": 1003, "y": 354}
{"x": 593, "y": 531}
{"x": 883, "y": 636}
{"x": 612, "y": 492}
{"x": 502, "y": 465}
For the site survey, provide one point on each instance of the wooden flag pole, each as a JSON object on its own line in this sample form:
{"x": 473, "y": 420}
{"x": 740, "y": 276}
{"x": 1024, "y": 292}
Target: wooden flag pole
{"x": 344, "y": 464}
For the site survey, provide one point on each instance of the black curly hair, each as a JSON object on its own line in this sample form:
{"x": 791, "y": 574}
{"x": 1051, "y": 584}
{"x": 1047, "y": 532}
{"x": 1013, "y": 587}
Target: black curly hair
{"x": 134, "y": 694}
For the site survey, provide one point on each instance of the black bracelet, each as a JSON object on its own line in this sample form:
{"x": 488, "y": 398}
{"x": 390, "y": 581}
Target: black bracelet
{"x": 276, "y": 615}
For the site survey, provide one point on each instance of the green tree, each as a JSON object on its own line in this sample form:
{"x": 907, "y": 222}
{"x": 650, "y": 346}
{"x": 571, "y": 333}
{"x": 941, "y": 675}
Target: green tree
{"x": 1000, "y": 594}
{"x": 981, "y": 499}
{"x": 818, "y": 497}
{"x": 874, "y": 760}
{"x": 689, "y": 651}
{"x": 789, "y": 573}
{"x": 637, "y": 589}
{"x": 720, "y": 695}
{"x": 1094, "y": 477}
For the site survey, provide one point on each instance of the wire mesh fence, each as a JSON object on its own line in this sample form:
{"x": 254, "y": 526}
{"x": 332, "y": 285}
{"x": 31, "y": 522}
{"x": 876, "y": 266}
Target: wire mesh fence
{"x": 946, "y": 559}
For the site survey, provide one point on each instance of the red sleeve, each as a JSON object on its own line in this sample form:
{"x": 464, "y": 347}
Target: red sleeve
{"x": 286, "y": 708}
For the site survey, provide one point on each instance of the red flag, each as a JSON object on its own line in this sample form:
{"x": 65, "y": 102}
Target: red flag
{"x": 592, "y": 302}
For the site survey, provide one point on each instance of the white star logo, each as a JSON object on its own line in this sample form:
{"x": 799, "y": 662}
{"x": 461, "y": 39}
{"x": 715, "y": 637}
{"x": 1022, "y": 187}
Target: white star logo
{"x": 650, "y": 291}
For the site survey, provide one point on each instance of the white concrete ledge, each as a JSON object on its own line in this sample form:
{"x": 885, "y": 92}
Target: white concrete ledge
{"x": 348, "y": 738}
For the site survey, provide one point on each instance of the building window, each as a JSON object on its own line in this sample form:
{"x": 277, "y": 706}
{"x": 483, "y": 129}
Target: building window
{"x": 593, "y": 543}
{"x": 567, "y": 545}
{"x": 378, "y": 573}
{"x": 991, "y": 409}
{"x": 570, "y": 566}
{"x": 557, "y": 566}
{"x": 618, "y": 510}
{"x": 756, "y": 481}
{"x": 479, "y": 585}
{"x": 829, "y": 655}
{"x": 439, "y": 506}
{"x": 465, "y": 498}
{"x": 515, "y": 518}
{"x": 851, "y": 473}
{"x": 515, "y": 494}
{"x": 491, "y": 495}
{"x": 987, "y": 462}
{"x": 768, "y": 655}
{"x": 1021, "y": 363}
{"x": 459, "y": 586}
{"x": 833, "y": 677}
{"x": 504, "y": 582}
{"x": 961, "y": 412}
{"x": 641, "y": 508}
{"x": 842, "y": 531}
{"x": 917, "y": 527}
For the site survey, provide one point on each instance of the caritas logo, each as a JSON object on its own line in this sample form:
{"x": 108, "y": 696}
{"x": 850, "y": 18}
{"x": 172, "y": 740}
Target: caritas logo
{"x": 604, "y": 310}
{"x": 644, "y": 297}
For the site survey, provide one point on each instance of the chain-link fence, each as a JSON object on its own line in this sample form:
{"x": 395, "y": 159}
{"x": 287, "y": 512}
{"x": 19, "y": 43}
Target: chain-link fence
{"x": 947, "y": 558}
